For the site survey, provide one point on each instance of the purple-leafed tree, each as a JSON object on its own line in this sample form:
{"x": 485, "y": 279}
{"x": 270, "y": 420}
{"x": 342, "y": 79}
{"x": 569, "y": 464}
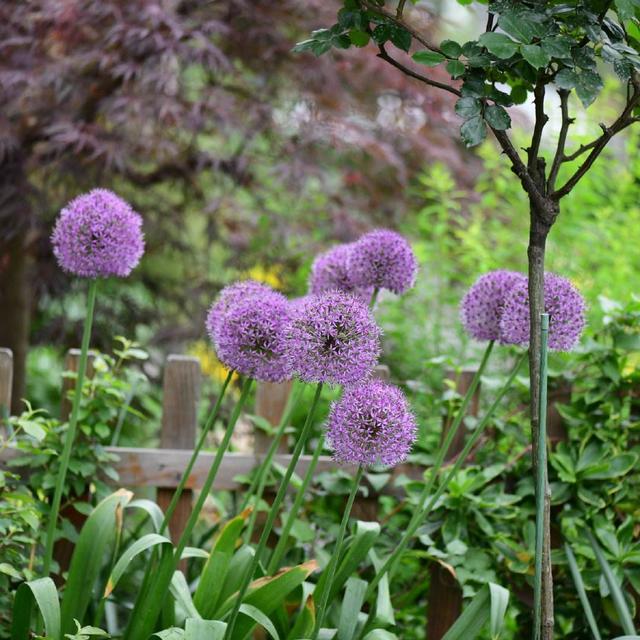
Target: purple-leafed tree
{"x": 521, "y": 50}
{"x": 168, "y": 96}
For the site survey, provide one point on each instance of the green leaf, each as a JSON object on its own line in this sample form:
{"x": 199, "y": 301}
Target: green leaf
{"x": 196, "y": 629}
{"x": 473, "y": 131}
{"x": 260, "y": 618}
{"x": 172, "y": 633}
{"x": 535, "y": 55}
{"x": 451, "y": 48}
{"x": 303, "y": 627}
{"x": 588, "y": 86}
{"x": 626, "y": 619}
{"x": 519, "y": 94}
{"x": 501, "y": 45}
{"x": 351, "y": 605}
{"x": 582, "y": 593}
{"x": 400, "y": 37}
{"x": 384, "y": 607}
{"x": 151, "y": 508}
{"x": 557, "y": 47}
{"x": 380, "y": 634}
{"x": 381, "y": 33}
{"x": 139, "y": 546}
{"x": 468, "y": 107}
{"x": 180, "y": 591}
{"x": 44, "y": 594}
{"x": 267, "y": 594}
{"x": 97, "y": 539}
{"x": 490, "y": 603}
{"x": 34, "y": 429}
{"x": 215, "y": 570}
{"x": 523, "y": 26}
{"x": 359, "y": 38}
{"x": 566, "y": 79}
{"x": 428, "y": 58}
{"x": 497, "y": 117}
{"x": 455, "y": 68}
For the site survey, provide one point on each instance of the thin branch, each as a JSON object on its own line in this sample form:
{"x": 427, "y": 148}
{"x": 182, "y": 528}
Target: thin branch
{"x": 541, "y": 119}
{"x": 582, "y": 149}
{"x": 624, "y": 120}
{"x": 401, "y": 23}
{"x": 489, "y": 22}
{"x": 400, "y": 9}
{"x": 559, "y": 156}
{"x": 383, "y": 55}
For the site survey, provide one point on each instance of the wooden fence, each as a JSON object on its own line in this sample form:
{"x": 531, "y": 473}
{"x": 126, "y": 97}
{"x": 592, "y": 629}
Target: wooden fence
{"x": 163, "y": 467}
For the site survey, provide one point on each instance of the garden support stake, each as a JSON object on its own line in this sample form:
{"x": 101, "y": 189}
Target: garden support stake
{"x": 541, "y": 478}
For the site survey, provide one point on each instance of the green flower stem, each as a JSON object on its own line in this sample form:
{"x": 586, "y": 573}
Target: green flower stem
{"x": 541, "y": 477}
{"x": 278, "y": 552}
{"x": 282, "y": 490}
{"x": 422, "y": 513}
{"x": 374, "y": 297}
{"x": 260, "y": 478}
{"x": 155, "y": 585}
{"x": 335, "y": 556}
{"x": 194, "y": 456}
{"x": 211, "y": 476}
{"x": 71, "y": 430}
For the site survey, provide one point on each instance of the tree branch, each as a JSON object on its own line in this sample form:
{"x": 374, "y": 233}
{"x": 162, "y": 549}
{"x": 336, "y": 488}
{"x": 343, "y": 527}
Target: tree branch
{"x": 562, "y": 139}
{"x": 541, "y": 119}
{"x": 383, "y": 55}
{"x": 625, "y": 119}
{"x": 397, "y": 19}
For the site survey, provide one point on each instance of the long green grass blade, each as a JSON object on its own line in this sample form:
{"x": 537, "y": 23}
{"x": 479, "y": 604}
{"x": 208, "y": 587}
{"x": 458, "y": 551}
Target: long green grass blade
{"x": 138, "y": 547}
{"x": 499, "y": 603}
{"x": 351, "y": 605}
{"x": 619, "y": 602}
{"x": 95, "y": 543}
{"x": 582, "y": 592}
{"x": 259, "y": 617}
{"x": 204, "y": 629}
{"x": 214, "y": 573}
{"x": 151, "y": 509}
{"x": 44, "y": 594}
{"x": 305, "y": 621}
{"x": 180, "y": 591}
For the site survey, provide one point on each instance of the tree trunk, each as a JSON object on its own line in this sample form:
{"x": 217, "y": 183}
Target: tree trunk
{"x": 536, "y": 253}
{"x": 15, "y": 298}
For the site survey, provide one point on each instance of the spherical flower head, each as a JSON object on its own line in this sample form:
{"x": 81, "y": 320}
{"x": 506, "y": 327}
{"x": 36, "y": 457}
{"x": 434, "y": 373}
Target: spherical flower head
{"x": 383, "y": 259}
{"x": 481, "y": 307}
{"x": 330, "y": 272}
{"x": 333, "y": 338}
{"x": 227, "y": 297}
{"x": 251, "y": 336}
{"x": 372, "y": 423}
{"x": 98, "y": 235}
{"x": 562, "y": 301}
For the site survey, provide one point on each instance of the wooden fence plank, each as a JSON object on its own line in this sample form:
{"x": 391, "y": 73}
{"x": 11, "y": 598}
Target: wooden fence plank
{"x": 6, "y": 382}
{"x": 271, "y": 400}
{"x": 181, "y": 392}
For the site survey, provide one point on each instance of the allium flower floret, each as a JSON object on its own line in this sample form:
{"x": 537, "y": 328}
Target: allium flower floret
{"x": 229, "y": 295}
{"x": 564, "y": 304}
{"x": 372, "y": 423}
{"x": 330, "y": 272}
{"x": 98, "y": 235}
{"x": 250, "y": 337}
{"x": 333, "y": 338}
{"x": 481, "y": 308}
{"x": 383, "y": 259}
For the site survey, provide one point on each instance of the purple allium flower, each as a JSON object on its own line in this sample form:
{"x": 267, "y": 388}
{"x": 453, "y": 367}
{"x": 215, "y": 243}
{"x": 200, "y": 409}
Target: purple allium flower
{"x": 330, "y": 272}
{"x": 372, "y": 423}
{"x": 250, "y": 337}
{"x": 333, "y": 338}
{"x": 98, "y": 235}
{"x": 383, "y": 259}
{"x": 229, "y": 295}
{"x": 481, "y": 307}
{"x": 562, "y": 301}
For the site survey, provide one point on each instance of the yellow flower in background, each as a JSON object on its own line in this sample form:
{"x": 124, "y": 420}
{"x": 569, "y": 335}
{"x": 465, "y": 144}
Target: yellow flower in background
{"x": 211, "y": 366}
{"x": 632, "y": 364}
{"x": 270, "y": 276}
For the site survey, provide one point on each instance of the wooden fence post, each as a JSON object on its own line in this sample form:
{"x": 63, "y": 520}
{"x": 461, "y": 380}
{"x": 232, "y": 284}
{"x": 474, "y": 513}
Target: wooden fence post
{"x": 6, "y": 380}
{"x": 181, "y": 392}
{"x": 271, "y": 401}
{"x": 444, "y": 601}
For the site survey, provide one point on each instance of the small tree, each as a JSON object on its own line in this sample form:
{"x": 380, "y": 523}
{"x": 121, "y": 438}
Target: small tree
{"x": 522, "y": 49}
